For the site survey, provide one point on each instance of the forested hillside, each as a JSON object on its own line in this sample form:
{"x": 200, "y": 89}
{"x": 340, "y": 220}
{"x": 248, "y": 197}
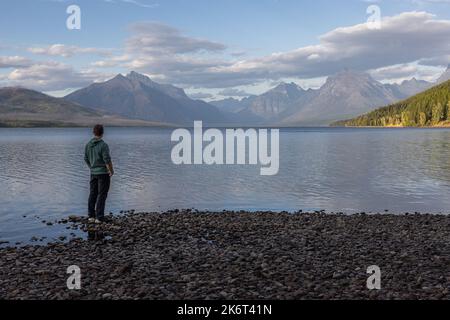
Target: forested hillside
{"x": 428, "y": 109}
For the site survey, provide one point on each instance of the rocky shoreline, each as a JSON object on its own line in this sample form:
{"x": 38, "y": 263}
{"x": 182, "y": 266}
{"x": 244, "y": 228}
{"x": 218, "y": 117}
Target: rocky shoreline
{"x": 238, "y": 255}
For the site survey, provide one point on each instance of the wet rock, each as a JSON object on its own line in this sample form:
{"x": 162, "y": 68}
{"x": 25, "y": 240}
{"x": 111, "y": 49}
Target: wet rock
{"x": 187, "y": 254}
{"x": 74, "y": 218}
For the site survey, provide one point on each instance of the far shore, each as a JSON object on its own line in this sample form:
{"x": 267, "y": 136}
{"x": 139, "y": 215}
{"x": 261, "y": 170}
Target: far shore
{"x": 186, "y": 254}
{"x": 393, "y": 127}
{"x": 66, "y": 125}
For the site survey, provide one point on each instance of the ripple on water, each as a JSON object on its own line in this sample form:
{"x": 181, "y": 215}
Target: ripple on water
{"x": 42, "y": 174}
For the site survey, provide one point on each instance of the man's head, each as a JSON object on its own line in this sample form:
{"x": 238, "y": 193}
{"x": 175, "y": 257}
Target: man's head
{"x": 98, "y": 131}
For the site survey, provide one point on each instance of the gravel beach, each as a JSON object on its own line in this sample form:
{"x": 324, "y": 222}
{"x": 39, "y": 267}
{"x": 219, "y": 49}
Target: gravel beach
{"x": 238, "y": 255}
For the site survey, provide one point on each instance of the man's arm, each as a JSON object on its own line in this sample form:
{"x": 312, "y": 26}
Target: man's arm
{"x": 107, "y": 158}
{"x": 86, "y": 158}
{"x": 110, "y": 168}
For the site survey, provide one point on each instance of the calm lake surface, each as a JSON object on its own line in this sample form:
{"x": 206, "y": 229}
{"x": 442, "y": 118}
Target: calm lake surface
{"x": 43, "y": 175}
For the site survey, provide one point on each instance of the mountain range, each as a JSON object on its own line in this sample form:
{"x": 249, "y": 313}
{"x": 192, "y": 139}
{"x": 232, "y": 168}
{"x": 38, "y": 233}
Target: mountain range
{"x": 343, "y": 96}
{"x": 427, "y": 109}
{"x": 21, "y": 107}
{"x": 135, "y": 99}
{"x": 136, "y": 96}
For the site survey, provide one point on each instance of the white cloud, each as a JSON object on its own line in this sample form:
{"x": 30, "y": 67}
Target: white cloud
{"x": 68, "y": 51}
{"x": 201, "y": 95}
{"x": 401, "y": 72}
{"x": 436, "y": 61}
{"x": 14, "y": 62}
{"x": 234, "y": 92}
{"x": 51, "y": 76}
{"x": 112, "y": 62}
{"x": 403, "y": 46}
{"x": 156, "y": 38}
{"x": 165, "y": 52}
{"x": 405, "y": 38}
{"x": 395, "y": 72}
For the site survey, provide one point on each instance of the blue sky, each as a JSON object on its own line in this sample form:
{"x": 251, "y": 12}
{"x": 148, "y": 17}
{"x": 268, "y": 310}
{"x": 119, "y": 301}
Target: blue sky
{"x": 211, "y": 47}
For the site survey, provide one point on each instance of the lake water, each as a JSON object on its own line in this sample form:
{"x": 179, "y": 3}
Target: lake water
{"x": 43, "y": 175}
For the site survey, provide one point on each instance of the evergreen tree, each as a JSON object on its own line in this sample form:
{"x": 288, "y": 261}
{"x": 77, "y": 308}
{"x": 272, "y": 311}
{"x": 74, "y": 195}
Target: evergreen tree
{"x": 429, "y": 108}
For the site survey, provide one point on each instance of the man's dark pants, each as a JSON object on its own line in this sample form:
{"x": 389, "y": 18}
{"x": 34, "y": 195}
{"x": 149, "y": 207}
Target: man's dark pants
{"x": 97, "y": 197}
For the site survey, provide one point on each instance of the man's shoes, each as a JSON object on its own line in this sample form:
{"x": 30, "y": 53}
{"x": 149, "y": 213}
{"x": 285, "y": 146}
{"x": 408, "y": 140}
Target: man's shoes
{"x": 99, "y": 220}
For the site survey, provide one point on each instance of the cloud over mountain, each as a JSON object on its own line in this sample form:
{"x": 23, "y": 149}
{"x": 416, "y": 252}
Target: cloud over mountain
{"x": 356, "y": 47}
{"x": 14, "y": 62}
{"x": 48, "y": 76}
{"x": 152, "y": 37}
{"x": 67, "y": 51}
{"x": 164, "y": 51}
{"x": 405, "y": 46}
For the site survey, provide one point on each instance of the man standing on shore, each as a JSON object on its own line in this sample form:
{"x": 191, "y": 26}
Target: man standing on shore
{"x": 98, "y": 159}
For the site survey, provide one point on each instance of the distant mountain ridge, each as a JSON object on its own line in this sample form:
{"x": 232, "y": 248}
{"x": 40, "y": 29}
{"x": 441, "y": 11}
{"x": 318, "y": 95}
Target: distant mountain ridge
{"x": 409, "y": 88}
{"x": 344, "y": 95}
{"x": 427, "y": 109}
{"x": 269, "y": 107}
{"x": 138, "y": 97}
{"x": 272, "y": 104}
{"x": 21, "y": 107}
